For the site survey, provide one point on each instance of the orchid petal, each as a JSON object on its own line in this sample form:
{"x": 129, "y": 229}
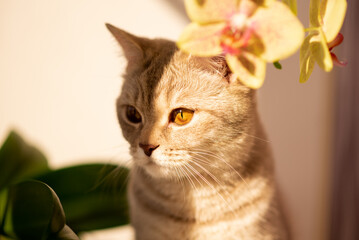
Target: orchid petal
{"x": 332, "y": 12}
{"x": 306, "y": 59}
{"x": 201, "y": 40}
{"x": 261, "y": 2}
{"x": 208, "y": 11}
{"x": 292, "y": 4}
{"x": 320, "y": 51}
{"x": 278, "y": 29}
{"x": 248, "y": 7}
{"x": 314, "y": 17}
{"x": 307, "y": 67}
{"x": 249, "y": 69}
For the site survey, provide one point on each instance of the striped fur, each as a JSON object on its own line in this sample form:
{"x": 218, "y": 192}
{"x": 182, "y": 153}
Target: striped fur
{"x": 209, "y": 179}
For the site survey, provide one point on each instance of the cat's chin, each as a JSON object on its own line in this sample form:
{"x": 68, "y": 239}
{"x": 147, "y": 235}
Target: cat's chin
{"x": 157, "y": 171}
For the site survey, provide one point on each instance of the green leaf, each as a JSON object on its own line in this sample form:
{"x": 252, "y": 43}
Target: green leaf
{"x": 93, "y": 196}
{"x": 277, "y": 65}
{"x": 33, "y": 211}
{"x": 65, "y": 234}
{"x": 3, "y": 207}
{"x": 18, "y": 160}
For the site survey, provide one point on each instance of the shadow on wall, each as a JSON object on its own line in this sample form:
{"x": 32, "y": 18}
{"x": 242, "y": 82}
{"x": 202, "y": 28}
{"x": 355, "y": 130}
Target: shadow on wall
{"x": 345, "y": 194}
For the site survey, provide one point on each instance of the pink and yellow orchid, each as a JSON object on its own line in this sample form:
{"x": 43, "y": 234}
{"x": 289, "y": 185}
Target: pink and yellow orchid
{"x": 248, "y": 32}
{"x": 326, "y": 19}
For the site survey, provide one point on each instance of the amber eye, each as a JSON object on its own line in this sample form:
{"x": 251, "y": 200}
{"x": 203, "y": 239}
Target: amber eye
{"x": 133, "y": 115}
{"x": 181, "y": 116}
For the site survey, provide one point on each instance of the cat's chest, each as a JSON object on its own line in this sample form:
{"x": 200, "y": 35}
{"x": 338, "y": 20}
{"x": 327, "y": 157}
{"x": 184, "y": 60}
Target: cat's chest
{"x": 201, "y": 213}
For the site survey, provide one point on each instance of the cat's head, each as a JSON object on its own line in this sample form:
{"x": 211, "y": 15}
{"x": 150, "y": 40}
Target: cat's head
{"x": 181, "y": 113}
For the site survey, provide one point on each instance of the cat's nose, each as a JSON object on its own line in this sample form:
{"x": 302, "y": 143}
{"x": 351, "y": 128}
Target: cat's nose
{"x": 148, "y": 148}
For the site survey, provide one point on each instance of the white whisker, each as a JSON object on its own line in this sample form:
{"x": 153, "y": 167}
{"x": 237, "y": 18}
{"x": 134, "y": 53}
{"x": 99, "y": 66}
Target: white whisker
{"x": 189, "y": 178}
{"x": 255, "y": 137}
{"x": 220, "y": 184}
{"x": 204, "y": 152}
{"x": 212, "y": 187}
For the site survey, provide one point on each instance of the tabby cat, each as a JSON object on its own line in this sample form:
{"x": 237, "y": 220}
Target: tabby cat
{"x": 201, "y": 167}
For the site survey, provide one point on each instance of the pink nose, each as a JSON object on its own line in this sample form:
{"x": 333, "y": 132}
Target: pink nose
{"x": 148, "y": 148}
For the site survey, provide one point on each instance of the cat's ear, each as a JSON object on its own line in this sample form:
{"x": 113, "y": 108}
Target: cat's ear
{"x": 220, "y": 65}
{"x": 130, "y": 44}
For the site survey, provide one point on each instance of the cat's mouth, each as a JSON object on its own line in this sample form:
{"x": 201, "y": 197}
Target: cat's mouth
{"x": 150, "y": 162}
{"x": 154, "y": 167}
{"x": 154, "y": 162}
{"x": 140, "y": 159}
{"x": 157, "y": 167}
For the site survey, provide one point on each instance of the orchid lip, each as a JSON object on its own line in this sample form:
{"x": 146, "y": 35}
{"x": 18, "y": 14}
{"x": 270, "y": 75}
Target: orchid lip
{"x": 337, "y": 41}
{"x": 338, "y": 62}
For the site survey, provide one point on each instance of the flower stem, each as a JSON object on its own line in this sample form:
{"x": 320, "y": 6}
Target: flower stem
{"x": 311, "y": 29}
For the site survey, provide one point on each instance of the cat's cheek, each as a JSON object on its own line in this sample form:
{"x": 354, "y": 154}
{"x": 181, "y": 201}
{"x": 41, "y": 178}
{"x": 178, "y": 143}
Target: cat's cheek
{"x": 130, "y": 133}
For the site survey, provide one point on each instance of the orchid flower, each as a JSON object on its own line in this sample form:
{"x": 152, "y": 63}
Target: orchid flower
{"x": 248, "y": 32}
{"x": 292, "y": 4}
{"x": 326, "y": 19}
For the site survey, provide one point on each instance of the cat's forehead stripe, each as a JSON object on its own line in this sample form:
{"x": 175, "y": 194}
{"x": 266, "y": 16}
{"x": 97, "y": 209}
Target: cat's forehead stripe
{"x": 153, "y": 74}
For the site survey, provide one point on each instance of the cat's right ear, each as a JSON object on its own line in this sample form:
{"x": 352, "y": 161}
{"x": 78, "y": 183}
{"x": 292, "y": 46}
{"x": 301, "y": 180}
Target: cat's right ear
{"x": 130, "y": 44}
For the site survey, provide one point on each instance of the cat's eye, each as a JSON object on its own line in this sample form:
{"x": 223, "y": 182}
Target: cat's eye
{"x": 133, "y": 115}
{"x": 181, "y": 116}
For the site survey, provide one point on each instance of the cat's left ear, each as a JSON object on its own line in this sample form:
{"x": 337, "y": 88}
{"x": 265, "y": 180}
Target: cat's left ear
{"x": 219, "y": 63}
{"x": 131, "y": 45}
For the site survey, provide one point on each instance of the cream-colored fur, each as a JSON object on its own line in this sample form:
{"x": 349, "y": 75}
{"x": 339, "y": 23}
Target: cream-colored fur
{"x": 209, "y": 179}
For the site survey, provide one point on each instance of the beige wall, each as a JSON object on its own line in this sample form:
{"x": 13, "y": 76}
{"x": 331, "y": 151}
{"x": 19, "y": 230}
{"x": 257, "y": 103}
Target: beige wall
{"x": 59, "y": 77}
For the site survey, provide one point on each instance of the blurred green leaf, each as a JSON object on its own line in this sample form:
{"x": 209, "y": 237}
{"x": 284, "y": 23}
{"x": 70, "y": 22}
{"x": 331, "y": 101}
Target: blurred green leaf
{"x": 5, "y": 238}
{"x": 277, "y": 65}
{"x": 33, "y": 211}
{"x": 18, "y": 160}
{"x": 93, "y": 196}
{"x": 65, "y": 234}
{"x": 3, "y": 206}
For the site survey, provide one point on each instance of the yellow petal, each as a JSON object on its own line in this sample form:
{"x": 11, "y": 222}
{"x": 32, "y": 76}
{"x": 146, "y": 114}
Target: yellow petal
{"x": 264, "y": 2}
{"x": 256, "y": 2}
{"x": 201, "y": 40}
{"x": 249, "y": 69}
{"x": 210, "y": 11}
{"x": 314, "y": 16}
{"x": 292, "y": 4}
{"x": 320, "y": 51}
{"x": 278, "y": 29}
{"x": 332, "y": 13}
{"x": 306, "y": 59}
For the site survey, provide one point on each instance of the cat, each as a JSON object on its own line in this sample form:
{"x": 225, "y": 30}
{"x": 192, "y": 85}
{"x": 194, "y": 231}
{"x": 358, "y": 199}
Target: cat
{"x": 202, "y": 168}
